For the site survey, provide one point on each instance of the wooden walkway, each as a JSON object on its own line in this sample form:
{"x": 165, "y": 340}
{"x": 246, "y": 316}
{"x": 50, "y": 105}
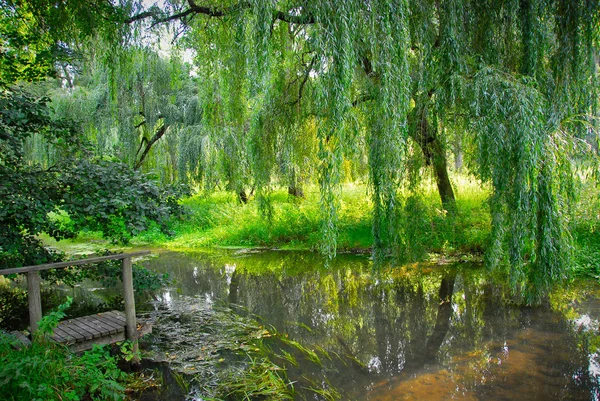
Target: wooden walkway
{"x": 83, "y": 332}
{"x": 103, "y": 328}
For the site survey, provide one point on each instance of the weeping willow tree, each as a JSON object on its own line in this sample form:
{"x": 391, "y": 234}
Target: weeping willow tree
{"x": 285, "y": 87}
{"x": 133, "y": 109}
{"x": 513, "y": 80}
{"x": 47, "y": 169}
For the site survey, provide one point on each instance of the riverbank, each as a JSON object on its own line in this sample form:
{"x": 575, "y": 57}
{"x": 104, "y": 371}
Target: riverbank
{"x": 219, "y": 220}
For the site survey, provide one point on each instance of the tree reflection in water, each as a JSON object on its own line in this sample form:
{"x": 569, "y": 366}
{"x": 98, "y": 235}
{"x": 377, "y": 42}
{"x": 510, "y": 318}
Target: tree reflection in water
{"x": 428, "y": 332}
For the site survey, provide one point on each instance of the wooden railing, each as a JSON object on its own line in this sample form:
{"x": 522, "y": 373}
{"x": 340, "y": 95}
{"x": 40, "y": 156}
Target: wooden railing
{"x": 35, "y": 301}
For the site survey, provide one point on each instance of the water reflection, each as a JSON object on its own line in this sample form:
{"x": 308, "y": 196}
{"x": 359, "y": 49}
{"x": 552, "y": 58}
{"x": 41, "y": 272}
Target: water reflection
{"x": 407, "y": 333}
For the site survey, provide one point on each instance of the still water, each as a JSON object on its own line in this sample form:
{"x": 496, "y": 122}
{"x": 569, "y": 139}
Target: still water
{"x": 412, "y": 333}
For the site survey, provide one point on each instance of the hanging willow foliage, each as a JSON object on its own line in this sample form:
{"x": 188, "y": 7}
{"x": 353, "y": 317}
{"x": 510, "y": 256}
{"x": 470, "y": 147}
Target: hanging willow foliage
{"x": 396, "y": 81}
{"x": 388, "y": 131}
{"x": 513, "y": 74}
{"x": 517, "y": 152}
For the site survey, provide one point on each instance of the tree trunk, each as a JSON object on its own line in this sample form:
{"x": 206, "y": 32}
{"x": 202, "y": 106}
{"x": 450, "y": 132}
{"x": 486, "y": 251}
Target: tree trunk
{"x": 161, "y": 131}
{"x": 435, "y": 156}
{"x": 296, "y": 191}
{"x": 458, "y": 153}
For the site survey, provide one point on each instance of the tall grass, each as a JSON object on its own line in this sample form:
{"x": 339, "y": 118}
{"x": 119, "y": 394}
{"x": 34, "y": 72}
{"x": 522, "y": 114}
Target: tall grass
{"x": 586, "y": 231}
{"x": 220, "y": 220}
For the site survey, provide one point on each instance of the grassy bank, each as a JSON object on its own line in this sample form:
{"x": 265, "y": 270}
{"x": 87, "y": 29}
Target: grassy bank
{"x": 219, "y": 220}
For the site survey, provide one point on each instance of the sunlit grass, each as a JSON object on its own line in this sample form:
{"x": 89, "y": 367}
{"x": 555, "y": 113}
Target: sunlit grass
{"x": 586, "y": 230}
{"x": 220, "y": 220}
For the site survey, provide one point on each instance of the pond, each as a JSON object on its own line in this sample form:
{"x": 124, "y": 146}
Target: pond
{"x": 426, "y": 332}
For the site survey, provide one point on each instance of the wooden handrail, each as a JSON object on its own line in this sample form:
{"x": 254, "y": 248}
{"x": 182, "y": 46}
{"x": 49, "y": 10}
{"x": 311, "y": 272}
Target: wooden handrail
{"x": 35, "y": 300}
{"x": 78, "y": 262}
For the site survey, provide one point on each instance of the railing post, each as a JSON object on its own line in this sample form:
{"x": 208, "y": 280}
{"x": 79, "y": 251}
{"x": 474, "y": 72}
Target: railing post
{"x": 35, "y": 300}
{"x": 130, "y": 307}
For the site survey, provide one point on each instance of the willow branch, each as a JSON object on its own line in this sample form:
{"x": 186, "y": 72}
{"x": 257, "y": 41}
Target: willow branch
{"x": 362, "y": 99}
{"x": 149, "y": 144}
{"x": 304, "y": 80}
{"x": 216, "y": 12}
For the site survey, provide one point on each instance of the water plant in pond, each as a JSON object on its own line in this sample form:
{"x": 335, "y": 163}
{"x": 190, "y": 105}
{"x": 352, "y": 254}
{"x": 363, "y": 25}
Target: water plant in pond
{"x": 226, "y": 356}
{"x": 394, "y": 332}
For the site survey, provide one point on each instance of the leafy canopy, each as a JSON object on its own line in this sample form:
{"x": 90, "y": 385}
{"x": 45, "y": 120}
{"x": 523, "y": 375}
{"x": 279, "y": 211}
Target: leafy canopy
{"x": 97, "y": 194}
{"x": 400, "y": 80}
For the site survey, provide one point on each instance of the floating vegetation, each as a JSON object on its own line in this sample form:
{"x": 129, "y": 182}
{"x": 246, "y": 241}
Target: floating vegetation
{"x": 222, "y": 355}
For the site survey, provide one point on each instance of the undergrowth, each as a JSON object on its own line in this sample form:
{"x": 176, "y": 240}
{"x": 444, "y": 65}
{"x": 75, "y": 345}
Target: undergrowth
{"x": 586, "y": 232}
{"x": 49, "y": 371}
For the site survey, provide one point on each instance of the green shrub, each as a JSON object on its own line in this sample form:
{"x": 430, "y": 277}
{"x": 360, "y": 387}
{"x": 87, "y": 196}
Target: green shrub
{"x": 13, "y": 307}
{"x": 49, "y": 371}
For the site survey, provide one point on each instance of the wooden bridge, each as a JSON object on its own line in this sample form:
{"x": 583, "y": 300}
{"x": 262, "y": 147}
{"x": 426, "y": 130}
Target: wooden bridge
{"x": 83, "y": 332}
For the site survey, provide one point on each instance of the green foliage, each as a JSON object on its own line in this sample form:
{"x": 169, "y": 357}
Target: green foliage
{"x": 97, "y": 194}
{"x": 13, "y": 307}
{"x": 26, "y": 53}
{"x": 529, "y": 205}
{"x": 586, "y": 231}
{"x": 66, "y": 178}
{"x": 386, "y": 88}
{"x": 427, "y": 231}
{"x": 260, "y": 378}
{"x": 28, "y": 192}
{"x": 51, "y": 320}
{"x": 49, "y": 371}
{"x": 110, "y": 272}
{"x": 114, "y": 199}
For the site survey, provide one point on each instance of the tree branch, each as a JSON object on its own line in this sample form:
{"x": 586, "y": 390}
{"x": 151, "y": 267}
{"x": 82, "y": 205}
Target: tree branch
{"x": 305, "y": 78}
{"x": 140, "y": 124}
{"x": 362, "y": 99}
{"x": 161, "y": 131}
{"x": 217, "y": 12}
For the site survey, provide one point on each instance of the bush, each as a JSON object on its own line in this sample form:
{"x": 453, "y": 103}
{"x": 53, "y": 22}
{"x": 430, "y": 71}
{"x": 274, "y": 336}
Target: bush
{"x": 13, "y": 307}
{"x": 49, "y": 371}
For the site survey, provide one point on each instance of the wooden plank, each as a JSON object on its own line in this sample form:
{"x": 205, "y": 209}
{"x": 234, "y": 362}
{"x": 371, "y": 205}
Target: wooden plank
{"x": 77, "y": 336}
{"x": 35, "y": 300}
{"x": 108, "y": 318}
{"x": 76, "y": 326}
{"x": 79, "y": 262}
{"x": 119, "y": 325}
{"x": 65, "y": 333}
{"x": 101, "y": 326}
{"x": 87, "y": 323}
{"x": 87, "y": 328}
{"x": 107, "y": 332}
{"x": 57, "y": 336}
{"x": 104, "y": 325}
{"x": 114, "y": 317}
{"x": 109, "y": 339}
